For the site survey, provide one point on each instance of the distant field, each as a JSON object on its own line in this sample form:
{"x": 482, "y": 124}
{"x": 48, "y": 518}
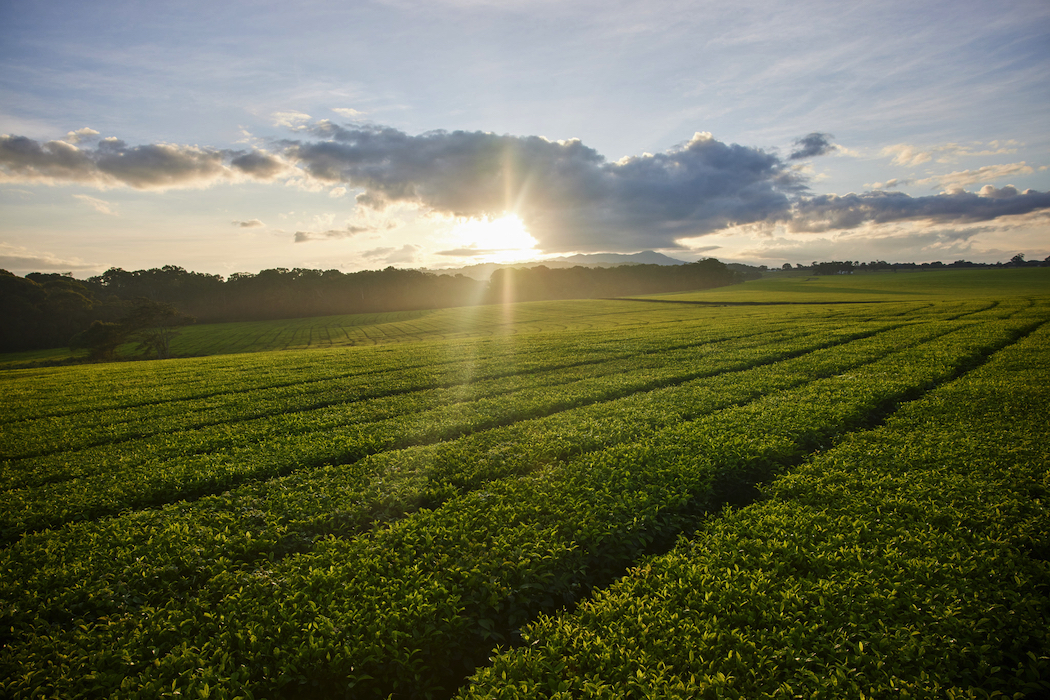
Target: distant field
{"x": 531, "y": 317}
{"x": 881, "y": 286}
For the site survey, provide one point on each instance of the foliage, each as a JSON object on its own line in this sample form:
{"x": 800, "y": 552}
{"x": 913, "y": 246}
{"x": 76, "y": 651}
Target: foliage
{"x": 101, "y": 340}
{"x": 362, "y": 521}
{"x": 153, "y": 325}
{"x": 909, "y": 561}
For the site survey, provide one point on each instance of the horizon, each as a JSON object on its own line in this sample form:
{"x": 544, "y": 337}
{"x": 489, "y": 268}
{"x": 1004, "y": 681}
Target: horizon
{"x": 876, "y": 266}
{"x": 436, "y": 136}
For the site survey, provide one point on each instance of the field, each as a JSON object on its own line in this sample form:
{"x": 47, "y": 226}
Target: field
{"x": 602, "y": 498}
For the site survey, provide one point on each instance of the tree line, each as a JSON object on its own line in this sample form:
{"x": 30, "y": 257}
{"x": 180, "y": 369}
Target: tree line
{"x": 839, "y": 267}
{"x": 54, "y": 310}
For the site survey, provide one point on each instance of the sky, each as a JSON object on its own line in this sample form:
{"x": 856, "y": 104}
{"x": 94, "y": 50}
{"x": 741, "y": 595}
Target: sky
{"x": 238, "y": 136}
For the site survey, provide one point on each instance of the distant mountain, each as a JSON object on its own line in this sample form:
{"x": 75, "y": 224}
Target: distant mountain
{"x": 646, "y": 257}
{"x": 483, "y": 271}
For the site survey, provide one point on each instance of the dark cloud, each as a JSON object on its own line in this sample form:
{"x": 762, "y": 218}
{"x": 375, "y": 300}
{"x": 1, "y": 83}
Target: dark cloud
{"x": 567, "y": 194}
{"x": 828, "y": 212}
{"x": 258, "y": 164}
{"x": 26, "y": 159}
{"x": 111, "y": 163}
{"x": 811, "y": 145}
{"x": 569, "y": 197}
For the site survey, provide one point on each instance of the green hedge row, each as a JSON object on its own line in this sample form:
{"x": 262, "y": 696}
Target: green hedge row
{"x": 61, "y": 391}
{"x": 224, "y": 399}
{"x": 339, "y": 439}
{"x": 234, "y": 420}
{"x": 409, "y": 608}
{"x": 150, "y": 556}
{"x": 911, "y": 561}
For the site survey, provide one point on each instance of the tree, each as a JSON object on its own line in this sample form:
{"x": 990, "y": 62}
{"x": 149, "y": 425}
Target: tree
{"x": 1017, "y": 260}
{"x": 155, "y": 324}
{"x": 152, "y": 324}
{"x": 101, "y": 340}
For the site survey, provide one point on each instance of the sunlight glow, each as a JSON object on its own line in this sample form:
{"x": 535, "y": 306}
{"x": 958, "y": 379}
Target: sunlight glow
{"x": 501, "y": 240}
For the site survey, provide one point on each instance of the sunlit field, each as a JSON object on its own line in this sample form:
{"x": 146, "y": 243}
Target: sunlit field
{"x": 881, "y": 286}
{"x": 593, "y": 498}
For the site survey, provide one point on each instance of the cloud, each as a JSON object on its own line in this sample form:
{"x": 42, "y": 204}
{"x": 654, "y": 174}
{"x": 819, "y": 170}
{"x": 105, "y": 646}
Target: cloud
{"x": 259, "y": 164}
{"x": 830, "y": 212}
{"x": 112, "y": 163}
{"x": 567, "y": 194}
{"x": 890, "y": 184}
{"x": 347, "y": 232}
{"x": 296, "y": 121}
{"x": 911, "y": 155}
{"x": 403, "y": 255}
{"x": 468, "y": 252}
{"x": 569, "y": 197}
{"x": 814, "y": 144}
{"x": 250, "y": 223}
{"x": 904, "y": 154}
{"x": 20, "y": 259}
{"x": 79, "y": 135}
{"x": 99, "y": 205}
{"x": 961, "y": 178}
{"x": 348, "y": 112}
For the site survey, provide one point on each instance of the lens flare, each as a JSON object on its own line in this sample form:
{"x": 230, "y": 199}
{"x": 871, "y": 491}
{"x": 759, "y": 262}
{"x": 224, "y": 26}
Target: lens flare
{"x": 500, "y": 240}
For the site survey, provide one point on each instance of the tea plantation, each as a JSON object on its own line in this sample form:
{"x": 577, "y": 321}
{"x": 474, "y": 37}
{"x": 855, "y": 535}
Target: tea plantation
{"x": 608, "y": 498}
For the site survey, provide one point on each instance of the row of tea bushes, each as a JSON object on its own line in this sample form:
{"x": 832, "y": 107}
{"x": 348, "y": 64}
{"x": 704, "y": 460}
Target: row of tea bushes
{"x": 911, "y": 561}
{"x": 242, "y": 398}
{"x": 408, "y": 608}
{"x": 235, "y": 419}
{"x": 61, "y": 391}
{"x": 152, "y": 556}
{"x": 278, "y": 449}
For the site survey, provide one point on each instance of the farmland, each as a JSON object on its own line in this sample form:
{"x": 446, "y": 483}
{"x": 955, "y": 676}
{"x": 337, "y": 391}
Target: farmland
{"x": 627, "y": 498}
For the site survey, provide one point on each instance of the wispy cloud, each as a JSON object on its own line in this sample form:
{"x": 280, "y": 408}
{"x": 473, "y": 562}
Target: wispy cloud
{"x": 468, "y": 252}
{"x": 348, "y": 112}
{"x": 911, "y": 155}
{"x": 99, "y": 205}
{"x": 406, "y": 254}
{"x": 348, "y": 231}
{"x": 296, "y": 121}
{"x": 989, "y": 173}
{"x": 250, "y": 223}
{"x": 21, "y": 259}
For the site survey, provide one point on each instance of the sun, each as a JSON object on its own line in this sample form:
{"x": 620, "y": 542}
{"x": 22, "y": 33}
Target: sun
{"x": 500, "y": 240}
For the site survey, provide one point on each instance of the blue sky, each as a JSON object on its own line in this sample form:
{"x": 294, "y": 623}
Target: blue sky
{"x": 236, "y": 136}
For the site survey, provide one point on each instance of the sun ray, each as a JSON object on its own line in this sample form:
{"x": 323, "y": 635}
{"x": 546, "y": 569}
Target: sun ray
{"x": 501, "y": 240}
